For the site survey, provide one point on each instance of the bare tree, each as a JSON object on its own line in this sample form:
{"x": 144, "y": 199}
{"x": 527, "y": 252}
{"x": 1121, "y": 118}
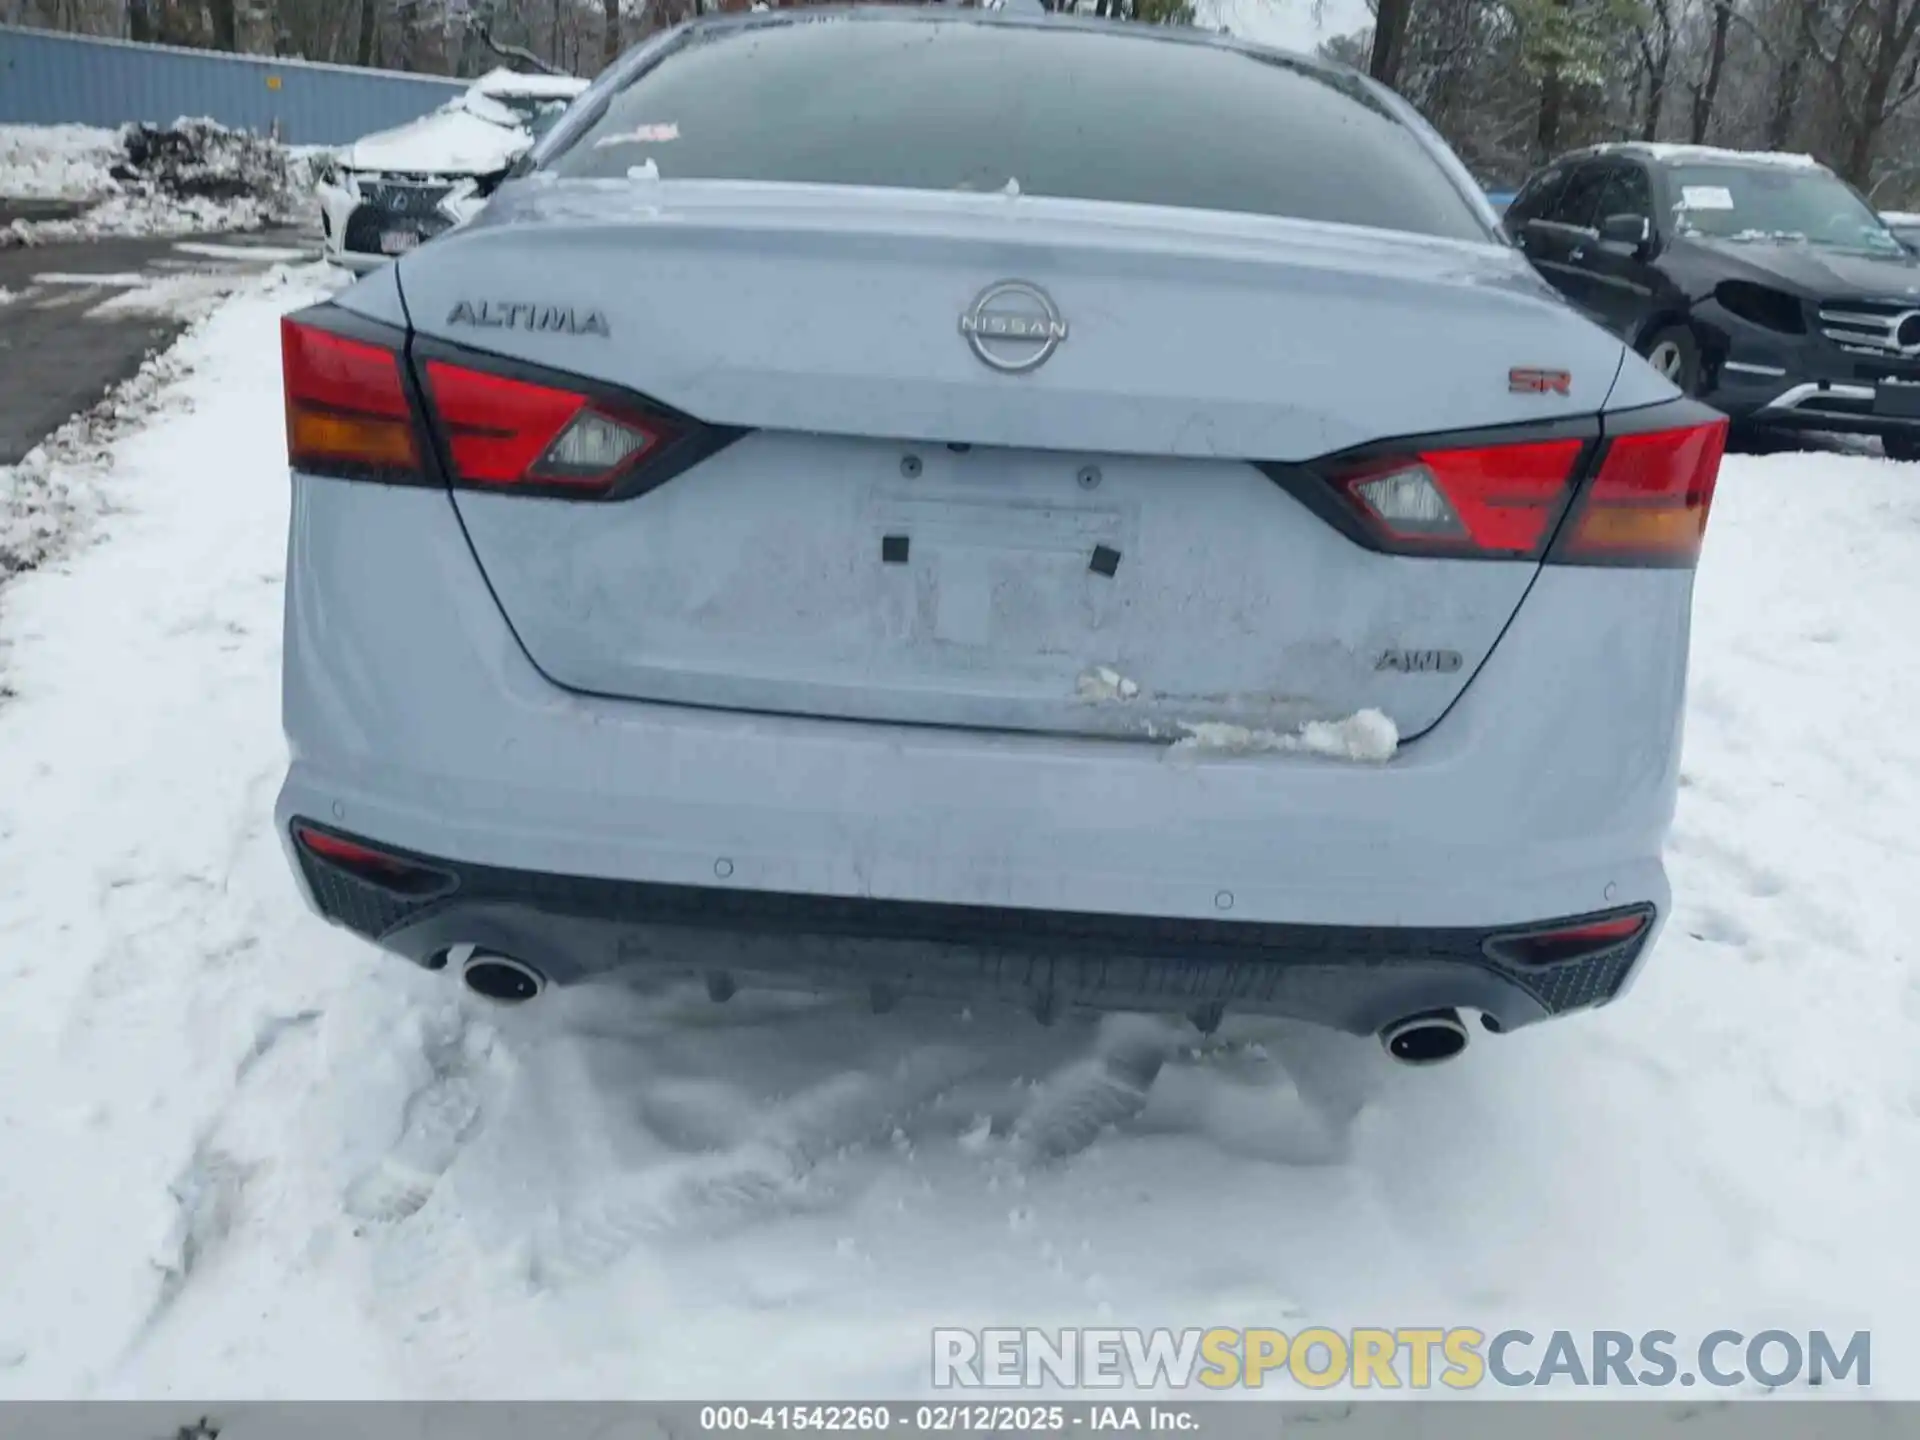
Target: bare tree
{"x": 610, "y": 43}
{"x": 1708, "y": 89}
{"x": 1655, "y": 38}
{"x": 1389, "y": 40}
{"x": 1867, "y": 52}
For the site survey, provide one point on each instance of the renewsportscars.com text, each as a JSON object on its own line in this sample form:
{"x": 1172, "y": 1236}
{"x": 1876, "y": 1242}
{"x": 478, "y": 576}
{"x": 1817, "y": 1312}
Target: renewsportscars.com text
{"x": 1369, "y": 1358}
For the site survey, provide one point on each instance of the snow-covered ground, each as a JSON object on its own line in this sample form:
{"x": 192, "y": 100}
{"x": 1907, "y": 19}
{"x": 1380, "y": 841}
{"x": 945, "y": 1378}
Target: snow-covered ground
{"x": 58, "y": 162}
{"x": 191, "y": 178}
{"x": 247, "y": 1155}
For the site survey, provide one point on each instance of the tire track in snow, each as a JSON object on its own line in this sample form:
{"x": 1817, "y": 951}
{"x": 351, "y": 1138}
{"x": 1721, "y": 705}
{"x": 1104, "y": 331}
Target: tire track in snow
{"x": 210, "y": 1192}
{"x": 437, "y": 1119}
{"x": 752, "y": 1180}
{"x": 1070, "y": 1110}
{"x": 450, "y": 1275}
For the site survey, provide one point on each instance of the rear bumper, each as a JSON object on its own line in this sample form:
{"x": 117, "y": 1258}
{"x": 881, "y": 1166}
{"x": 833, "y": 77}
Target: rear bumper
{"x": 416, "y": 721}
{"x": 1350, "y": 978}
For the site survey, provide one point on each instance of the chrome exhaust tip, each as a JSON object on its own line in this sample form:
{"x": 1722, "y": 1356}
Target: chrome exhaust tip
{"x": 1428, "y": 1038}
{"x": 501, "y": 978}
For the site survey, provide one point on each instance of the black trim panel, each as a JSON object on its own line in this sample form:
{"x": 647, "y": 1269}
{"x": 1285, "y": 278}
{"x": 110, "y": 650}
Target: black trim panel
{"x": 1353, "y": 977}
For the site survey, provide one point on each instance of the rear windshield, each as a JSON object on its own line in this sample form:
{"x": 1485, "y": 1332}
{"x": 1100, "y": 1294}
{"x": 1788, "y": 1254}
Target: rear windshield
{"x": 1072, "y": 113}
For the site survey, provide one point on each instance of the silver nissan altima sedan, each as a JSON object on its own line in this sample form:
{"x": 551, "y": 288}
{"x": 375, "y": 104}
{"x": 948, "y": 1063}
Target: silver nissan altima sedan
{"x": 940, "y": 503}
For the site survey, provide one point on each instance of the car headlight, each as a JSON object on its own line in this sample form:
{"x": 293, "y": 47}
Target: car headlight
{"x": 1762, "y": 305}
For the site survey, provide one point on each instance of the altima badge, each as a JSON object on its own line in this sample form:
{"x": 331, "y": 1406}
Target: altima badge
{"x": 1013, "y": 326}
{"x": 517, "y": 315}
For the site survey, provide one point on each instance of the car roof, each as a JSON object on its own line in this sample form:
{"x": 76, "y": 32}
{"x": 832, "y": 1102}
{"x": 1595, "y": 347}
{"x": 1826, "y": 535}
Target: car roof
{"x": 936, "y": 11}
{"x": 1658, "y": 153}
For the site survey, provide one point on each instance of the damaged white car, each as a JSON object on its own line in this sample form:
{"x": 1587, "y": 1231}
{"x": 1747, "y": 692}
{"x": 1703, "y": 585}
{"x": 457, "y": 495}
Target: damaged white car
{"x": 387, "y": 193}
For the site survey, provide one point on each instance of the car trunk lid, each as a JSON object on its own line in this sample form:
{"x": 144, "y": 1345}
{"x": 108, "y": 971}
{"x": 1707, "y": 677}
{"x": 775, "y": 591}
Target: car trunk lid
{"x": 1107, "y": 543}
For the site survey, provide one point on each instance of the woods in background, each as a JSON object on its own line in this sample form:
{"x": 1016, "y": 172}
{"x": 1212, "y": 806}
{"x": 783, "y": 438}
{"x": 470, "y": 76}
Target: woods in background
{"x": 1508, "y": 82}
{"x": 1512, "y": 82}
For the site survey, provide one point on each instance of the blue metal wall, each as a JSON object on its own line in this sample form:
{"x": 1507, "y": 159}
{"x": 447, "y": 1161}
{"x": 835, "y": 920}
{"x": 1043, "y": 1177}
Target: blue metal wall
{"x": 53, "y": 79}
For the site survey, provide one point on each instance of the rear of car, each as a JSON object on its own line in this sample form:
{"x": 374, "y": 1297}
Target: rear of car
{"x": 941, "y": 535}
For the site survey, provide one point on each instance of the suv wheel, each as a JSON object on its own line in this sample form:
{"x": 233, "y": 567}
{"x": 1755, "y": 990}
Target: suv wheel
{"x": 1902, "y": 446}
{"x": 1675, "y": 354}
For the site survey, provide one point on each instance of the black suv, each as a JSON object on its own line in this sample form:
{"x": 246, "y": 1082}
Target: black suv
{"x": 1763, "y": 284}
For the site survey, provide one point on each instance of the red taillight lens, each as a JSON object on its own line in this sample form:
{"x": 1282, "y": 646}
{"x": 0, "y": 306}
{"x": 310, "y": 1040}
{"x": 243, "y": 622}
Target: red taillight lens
{"x": 1649, "y": 503}
{"x": 515, "y": 433}
{"x": 347, "y": 411}
{"x": 1489, "y": 500}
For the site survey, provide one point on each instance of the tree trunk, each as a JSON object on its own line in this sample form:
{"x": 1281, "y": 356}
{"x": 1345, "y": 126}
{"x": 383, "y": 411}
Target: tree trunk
{"x": 409, "y": 38}
{"x": 1709, "y": 88}
{"x": 1389, "y": 41}
{"x": 1857, "y": 168}
{"x": 610, "y": 47}
{"x": 140, "y": 25}
{"x": 225, "y": 24}
{"x": 1786, "y": 100}
{"x": 1552, "y": 99}
{"x": 1863, "y": 133}
{"x": 1657, "y": 61}
{"x": 1553, "y": 85}
{"x": 363, "y": 49}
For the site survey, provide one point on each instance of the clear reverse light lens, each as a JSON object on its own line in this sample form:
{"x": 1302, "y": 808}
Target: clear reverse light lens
{"x": 591, "y": 445}
{"x": 1410, "y": 502}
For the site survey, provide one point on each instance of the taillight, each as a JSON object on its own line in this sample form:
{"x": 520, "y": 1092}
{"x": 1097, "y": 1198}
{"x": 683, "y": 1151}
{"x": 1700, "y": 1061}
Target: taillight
{"x": 1648, "y": 503}
{"x": 517, "y": 434}
{"x": 347, "y": 409}
{"x": 1497, "y": 501}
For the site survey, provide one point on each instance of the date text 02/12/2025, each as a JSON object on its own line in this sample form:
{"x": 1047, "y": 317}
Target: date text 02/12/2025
{"x": 947, "y": 1418}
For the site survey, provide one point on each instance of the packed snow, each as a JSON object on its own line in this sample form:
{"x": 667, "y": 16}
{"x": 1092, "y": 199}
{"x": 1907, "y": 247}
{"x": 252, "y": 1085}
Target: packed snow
{"x": 471, "y": 136}
{"x": 58, "y": 162}
{"x": 1367, "y": 735}
{"x": 504, "y": 82}
{"x": 250, "y": 1155}
{"x": 56, "y": 491}
{"x": 1103, "y": 684}
{"x": 191, "y": 177}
